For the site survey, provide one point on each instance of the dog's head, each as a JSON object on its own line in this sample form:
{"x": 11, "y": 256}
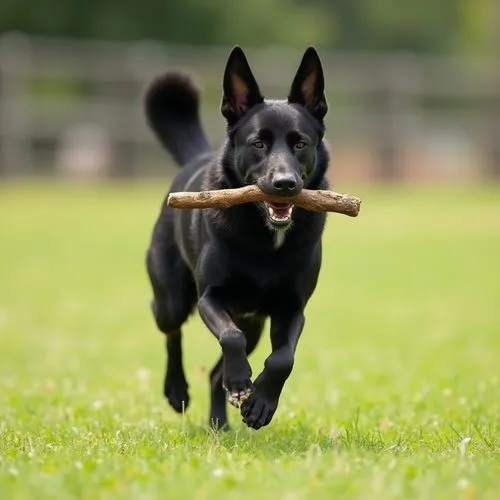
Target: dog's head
{"x": 274, "y": 143}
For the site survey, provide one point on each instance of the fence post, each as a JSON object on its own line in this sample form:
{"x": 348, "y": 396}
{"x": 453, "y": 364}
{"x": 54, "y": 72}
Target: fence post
{"x": 15, "y": 147}
{"x": 400, "y": 81}
{"x": 494, "y": 146}
{"x": 145, "y": 60}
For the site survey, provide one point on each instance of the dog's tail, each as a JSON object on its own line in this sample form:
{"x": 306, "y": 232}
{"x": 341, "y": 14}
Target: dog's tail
{"x": 172, "y": 111}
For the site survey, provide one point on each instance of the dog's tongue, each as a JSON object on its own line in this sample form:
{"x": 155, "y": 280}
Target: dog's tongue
{"x": 281, "y": 210}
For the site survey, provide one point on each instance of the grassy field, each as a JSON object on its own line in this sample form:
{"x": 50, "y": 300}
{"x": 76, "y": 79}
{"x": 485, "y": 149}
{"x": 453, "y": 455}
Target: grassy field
{"x": 395, "y": 392}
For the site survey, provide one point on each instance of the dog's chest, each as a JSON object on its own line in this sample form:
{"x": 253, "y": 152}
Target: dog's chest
{"x": 249, "y": 296}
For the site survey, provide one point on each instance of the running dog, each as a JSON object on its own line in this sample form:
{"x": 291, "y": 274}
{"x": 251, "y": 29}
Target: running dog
{"x": 239, "y": 266}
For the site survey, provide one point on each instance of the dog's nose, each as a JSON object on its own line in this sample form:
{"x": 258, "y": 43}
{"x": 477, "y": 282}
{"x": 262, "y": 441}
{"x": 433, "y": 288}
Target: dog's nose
{"x": 285, "y": 184}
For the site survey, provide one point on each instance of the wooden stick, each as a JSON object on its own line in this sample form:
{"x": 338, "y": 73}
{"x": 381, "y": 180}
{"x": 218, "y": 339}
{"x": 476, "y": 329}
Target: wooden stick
{"x": 314, "y": 200}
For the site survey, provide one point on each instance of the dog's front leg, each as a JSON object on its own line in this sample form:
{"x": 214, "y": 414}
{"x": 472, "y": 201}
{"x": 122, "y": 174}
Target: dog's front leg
{"x": 286, "y": 327}
{"x": 213, "y": 309}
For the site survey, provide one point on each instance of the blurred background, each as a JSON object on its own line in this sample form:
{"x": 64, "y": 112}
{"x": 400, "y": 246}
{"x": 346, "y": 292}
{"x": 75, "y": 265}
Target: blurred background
{"x": 413, "y": 87}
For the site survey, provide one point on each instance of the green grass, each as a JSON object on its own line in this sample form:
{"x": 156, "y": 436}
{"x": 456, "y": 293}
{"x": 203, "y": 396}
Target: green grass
{"x": 396, "y": 387}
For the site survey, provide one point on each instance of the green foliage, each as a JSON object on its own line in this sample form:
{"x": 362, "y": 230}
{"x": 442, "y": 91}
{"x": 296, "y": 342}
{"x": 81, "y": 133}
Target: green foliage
{"x": 424, "y": 26}
{"x": 479, "y": 26}
{"x": 188, "y": 21}
{"x": 397, "y": 367}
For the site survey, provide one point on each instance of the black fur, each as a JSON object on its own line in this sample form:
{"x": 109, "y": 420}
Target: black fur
{"x": 241, "y": 265}
{"x": 172, "y": 112}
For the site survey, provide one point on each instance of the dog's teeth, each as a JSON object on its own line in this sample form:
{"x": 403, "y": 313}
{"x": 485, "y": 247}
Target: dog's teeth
{"x": 280, "y": 216}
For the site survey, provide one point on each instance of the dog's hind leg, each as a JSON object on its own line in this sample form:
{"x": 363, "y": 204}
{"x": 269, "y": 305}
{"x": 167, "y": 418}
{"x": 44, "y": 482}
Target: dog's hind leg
{"x": 174, "y": 299}
{"x": 252, "y": 327}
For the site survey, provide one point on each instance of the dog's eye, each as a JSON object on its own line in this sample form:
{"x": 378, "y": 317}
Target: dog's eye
{"x": 300, "y": 145}
{"x": 258, "y": 145}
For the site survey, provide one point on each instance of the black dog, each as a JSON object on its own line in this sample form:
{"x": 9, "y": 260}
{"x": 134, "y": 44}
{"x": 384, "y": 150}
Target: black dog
{"x": 242, "y": 264}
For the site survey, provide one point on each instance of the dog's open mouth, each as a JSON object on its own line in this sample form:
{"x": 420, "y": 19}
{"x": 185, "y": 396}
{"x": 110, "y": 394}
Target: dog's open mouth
{"x": 280, "y": 214}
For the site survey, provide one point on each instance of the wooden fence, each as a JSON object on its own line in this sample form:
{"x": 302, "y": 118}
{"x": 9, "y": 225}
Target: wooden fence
{"x": 74, "y": 107}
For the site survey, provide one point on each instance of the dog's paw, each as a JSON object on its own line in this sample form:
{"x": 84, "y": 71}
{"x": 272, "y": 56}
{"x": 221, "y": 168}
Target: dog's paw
{"x": 238, "y": 391}
{"x": 257, "y": 410}
{"x": 237, "y": 381}
{"x": 176, "y": 392}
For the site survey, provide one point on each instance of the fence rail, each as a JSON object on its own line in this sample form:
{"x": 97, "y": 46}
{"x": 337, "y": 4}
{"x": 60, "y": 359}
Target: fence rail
{"x": 75, "y": 106}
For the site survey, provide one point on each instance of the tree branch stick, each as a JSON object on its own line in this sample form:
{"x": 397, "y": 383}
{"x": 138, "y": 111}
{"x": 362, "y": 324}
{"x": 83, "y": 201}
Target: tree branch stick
{"x": 313, "y": 200}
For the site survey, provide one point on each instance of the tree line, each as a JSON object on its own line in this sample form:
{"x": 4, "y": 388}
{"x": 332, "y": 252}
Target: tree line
{"x": 426, "y": 26}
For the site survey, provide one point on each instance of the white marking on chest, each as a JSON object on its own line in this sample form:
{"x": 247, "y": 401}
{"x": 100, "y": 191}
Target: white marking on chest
{"x": 279, "y": 237}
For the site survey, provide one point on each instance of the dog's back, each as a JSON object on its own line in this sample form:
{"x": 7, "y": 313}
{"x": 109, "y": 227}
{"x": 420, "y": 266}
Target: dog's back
{"x": 172, "y": 111}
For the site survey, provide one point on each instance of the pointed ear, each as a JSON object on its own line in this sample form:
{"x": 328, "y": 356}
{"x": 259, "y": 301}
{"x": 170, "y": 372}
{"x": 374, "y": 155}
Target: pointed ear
{"x": 308, "y": 85}
{"x": 241, "y": 91}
